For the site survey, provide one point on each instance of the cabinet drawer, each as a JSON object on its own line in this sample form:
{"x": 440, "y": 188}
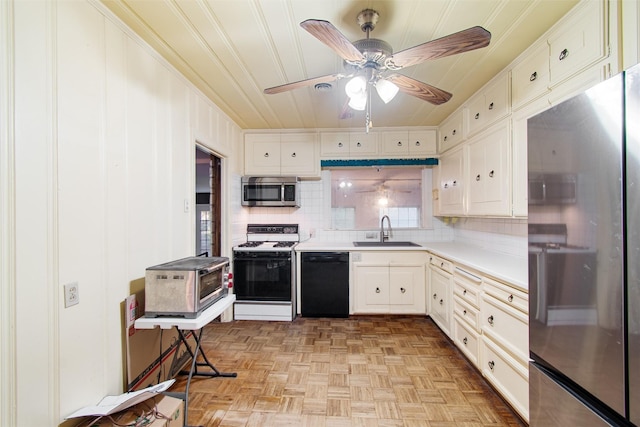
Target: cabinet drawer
{"x": 510, "y": 377}
{"x": 506, "y": 326}
{"x": 441, "y": 263}
{"x": 467, "y": 313}
{"x": 467, "y": 286}
{"x": 507, "y": 295}
{"x": 467, "y": 341}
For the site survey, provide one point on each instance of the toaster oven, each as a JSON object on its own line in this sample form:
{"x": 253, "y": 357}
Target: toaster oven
{"x": 185, "y": 287}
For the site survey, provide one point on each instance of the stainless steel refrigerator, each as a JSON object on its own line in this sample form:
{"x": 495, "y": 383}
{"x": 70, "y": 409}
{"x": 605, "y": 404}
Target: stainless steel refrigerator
{"x": 584, "y": 258}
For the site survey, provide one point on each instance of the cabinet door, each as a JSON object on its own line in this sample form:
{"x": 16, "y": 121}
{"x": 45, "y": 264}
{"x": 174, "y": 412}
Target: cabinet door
{"x": 451, "y": 133}
{"x": 406, "y": 289}
{"x": 451, "y": 178}
{"x": 530, "y": 78}
{"x": 372, "y": 289}
{"x": 490, "y": 172}
{"x": 422, "y": 143}
{"x": 334, "y": 145}
{"x": 578, "y": 42}
{"x": 363, "y": 145}
{"x": 395, "y": 144}
{"x": 439, "y": 299}
{"x": 490, "y": 105}
{"x": 262, "y": 154}
{"x": 298, "y": 155}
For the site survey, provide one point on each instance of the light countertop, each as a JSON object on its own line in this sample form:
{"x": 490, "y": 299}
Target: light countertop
{"x": 508, "y": 268}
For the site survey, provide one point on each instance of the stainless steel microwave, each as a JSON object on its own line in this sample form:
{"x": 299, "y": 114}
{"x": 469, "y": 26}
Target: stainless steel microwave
{"x": 552, "y": 189}
{"x": 271, "y": 191}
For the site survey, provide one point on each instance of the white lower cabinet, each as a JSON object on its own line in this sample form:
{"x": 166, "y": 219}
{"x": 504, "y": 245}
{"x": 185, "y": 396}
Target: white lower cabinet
{"x": 440, "y": 294}
{"x": 505, "y": 342}
{"x": 487, "y": 320}
{"x": 389, "y": 282}
{"x": 508, "y": 375}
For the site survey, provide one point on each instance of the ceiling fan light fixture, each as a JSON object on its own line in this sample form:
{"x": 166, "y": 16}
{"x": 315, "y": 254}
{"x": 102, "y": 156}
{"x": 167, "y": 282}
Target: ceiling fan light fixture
{"x": 386, "y": 90}
{"x": 358, "y": 101}
{"x": 356, "y": 86}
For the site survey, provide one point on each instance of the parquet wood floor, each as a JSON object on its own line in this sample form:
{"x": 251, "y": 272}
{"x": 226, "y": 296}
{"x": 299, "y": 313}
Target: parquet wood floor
{"x": 364, "y": 371}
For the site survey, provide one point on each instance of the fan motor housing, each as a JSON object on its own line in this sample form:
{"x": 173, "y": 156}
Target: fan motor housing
{"x": 375, "y": 52}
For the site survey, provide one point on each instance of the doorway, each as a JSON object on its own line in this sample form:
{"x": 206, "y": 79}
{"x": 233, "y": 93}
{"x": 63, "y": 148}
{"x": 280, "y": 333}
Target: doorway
{"x": 208, "y": 199}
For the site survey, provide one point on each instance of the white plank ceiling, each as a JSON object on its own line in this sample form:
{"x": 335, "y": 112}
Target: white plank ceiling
{"x": 233, "y": 49}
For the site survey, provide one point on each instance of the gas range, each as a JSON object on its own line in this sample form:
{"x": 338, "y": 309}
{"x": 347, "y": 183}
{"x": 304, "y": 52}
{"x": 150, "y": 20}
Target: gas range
{"x": 270, "y": 237}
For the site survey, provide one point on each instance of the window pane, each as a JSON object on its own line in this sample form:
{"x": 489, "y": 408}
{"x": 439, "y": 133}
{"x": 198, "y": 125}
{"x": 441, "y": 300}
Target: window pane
{"x": 361, "y": 196}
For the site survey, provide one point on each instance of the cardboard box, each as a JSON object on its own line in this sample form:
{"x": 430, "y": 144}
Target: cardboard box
{"x": 162, "y": 411}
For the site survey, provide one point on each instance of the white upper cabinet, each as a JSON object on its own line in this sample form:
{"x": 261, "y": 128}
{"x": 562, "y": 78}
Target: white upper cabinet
{"x": 530, "y": 78}
{"x": 345, "y": 145}
{"x": 451, "y": 131}
{"x": 413, "y": 144}
{"x": 489, "y": 174}
{"x": 490, "y": 105}
{"x": 282, "y": 154}
{"x": 579, "y": 42}
{"x": 451, "y": 183}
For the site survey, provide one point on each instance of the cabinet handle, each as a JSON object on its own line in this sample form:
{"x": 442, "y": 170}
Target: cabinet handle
{"x": 446, "y": 185}
{"x": 477, "y": 116}
{"x": 403, "y": 290}
{"x": 399, "y": 144}
{"x": 377, "y": 290}
{"x": 417, "y": 144}
{"x": 293, "y": 154}
{"x": 491, "y": 364}
{"x": 491, "y": 174}
{"x": 478, "y": 177}
{"x": 563, "y": 54}
{"x": 453, "y": 132}
{"x": 491, "y": 106}
{"x": 464, "y": 292}
{"x": 442, "y": 265}
{"x": 441, "y": 302}
{"x": 510, "y": 298}
{"x": 464, "y": 341}
{"x": 533, "y": 76}
{"x": 464, "y": 312}
{"x": 340, "y": 145}
{"x": 434, "y": 296}
{"x": 490, "y": 320}
{"x": 446, "y": 137}
{"x": 266, "y": 154}
{"x": 358, "y": 145}
{"x": 455, "y": 183}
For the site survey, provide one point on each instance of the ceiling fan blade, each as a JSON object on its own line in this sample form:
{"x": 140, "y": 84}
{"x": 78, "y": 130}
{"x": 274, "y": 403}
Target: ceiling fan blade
{"x": 419, "y": 89}
{"x": 462, "y": 41}
{"x": 303, "y": 83}
{"x": 332, "y": 37}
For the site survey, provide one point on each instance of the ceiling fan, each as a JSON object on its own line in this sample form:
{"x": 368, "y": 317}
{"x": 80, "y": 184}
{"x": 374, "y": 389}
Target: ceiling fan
{"x": 371, "y": 62}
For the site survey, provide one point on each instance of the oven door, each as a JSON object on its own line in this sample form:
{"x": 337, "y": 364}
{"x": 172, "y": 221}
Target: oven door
{"x": 263, "y": 276}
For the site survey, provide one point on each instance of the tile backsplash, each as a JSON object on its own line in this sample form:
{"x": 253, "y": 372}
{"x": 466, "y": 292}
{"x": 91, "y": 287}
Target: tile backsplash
{"x": 500, "y": 234}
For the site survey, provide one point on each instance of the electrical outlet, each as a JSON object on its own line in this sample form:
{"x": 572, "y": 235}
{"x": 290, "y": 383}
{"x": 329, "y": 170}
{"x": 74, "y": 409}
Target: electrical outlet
{"x": 71, "y": 294}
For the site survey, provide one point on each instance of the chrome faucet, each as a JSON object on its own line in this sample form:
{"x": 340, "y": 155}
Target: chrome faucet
{"x": 384, "y": 236}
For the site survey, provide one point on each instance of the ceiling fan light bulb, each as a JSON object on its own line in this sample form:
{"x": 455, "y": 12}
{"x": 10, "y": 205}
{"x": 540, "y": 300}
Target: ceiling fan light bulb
{"x": 386, "y": 90}
{"x": 355, "y": 86}
{"x": 358, "y": 102}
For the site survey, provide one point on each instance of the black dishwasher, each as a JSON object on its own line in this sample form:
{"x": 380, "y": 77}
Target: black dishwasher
{"x": 324, "y": 284}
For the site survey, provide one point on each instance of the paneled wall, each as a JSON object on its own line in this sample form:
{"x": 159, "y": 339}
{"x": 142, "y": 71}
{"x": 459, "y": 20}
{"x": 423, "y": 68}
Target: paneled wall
{"x": 102, "y": 154}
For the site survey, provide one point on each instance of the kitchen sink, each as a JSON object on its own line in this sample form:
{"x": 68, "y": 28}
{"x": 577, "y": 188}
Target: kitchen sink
{"x": 387, "y": 243}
